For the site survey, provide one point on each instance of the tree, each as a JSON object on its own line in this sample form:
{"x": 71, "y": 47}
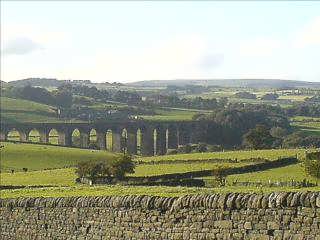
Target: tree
{"x": 300, "y": 139}
{"x": 258, "y": 138}
{"x": 245, "y": 95}
{"x": 270, "y": 96}
{"x": 123, "y": 165}
{"x": 63, "y": 98}
{"x": 278, "y": 132}
{"x": 220, "y": 175}
{"x": 116, "y": 168}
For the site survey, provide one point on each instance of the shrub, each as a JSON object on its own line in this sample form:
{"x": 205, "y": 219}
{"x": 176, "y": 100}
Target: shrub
{"x": 220, "y": 176}
{"x": 121, "y": 166}
{"x": 312, "y": 164}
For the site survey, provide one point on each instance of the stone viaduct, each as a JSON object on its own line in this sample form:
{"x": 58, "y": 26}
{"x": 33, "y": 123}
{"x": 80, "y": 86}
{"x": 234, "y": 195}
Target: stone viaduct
{"x": 154, "y": 138}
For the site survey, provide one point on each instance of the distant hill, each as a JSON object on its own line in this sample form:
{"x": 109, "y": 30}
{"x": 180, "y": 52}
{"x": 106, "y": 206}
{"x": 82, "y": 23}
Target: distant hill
{"x": 44, "y": 82}
{"x": 248, "y": 83}
{"x": 245, "y": 83}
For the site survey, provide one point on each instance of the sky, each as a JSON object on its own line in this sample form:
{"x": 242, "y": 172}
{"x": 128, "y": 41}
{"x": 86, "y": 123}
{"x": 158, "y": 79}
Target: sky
{"x": 156, "y": 40}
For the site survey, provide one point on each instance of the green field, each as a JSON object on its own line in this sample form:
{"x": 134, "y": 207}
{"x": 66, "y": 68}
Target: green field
{"x": 167, "y": 114}
{"x": 308, "y": 125}
{"x": 55, "y": 177}
{"x": 60, "y": 180}
{"x": 18, "y": 110}
{"x": 291, "y": 172}
{"x": 38, "y": 157}
{"x": 119, "y": 190}
{"x": 67, "y": 176}
{"x": 167, "y": 168}
{"x": 272, "y": 154}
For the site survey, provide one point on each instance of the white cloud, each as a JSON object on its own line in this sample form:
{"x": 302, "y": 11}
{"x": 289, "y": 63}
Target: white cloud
{"x": 176, "y": 57}
{"x": 23, "y": 39}
{"x": 309, "y": 35}
{"x": 20, "y": 46}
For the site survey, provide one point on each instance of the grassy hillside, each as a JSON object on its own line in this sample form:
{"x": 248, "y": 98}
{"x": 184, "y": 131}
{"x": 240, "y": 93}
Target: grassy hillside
{"x": 269, "y": 154}
{"x": 39, "y": 157}
{"x": 307, "y": 125}
{"x": 18, "y": 110}
{"x": 67, "y": 176}
{"x": 118, "y": 190}
{"x": 174, "y": 114}
{"x": 287, "y": 173}
{"x": 60, "y": 180}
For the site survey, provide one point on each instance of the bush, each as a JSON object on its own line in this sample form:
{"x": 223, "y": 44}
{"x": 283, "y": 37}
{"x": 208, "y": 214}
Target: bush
{"x": 116, "y": 168}
{"x": 220, "y": 176}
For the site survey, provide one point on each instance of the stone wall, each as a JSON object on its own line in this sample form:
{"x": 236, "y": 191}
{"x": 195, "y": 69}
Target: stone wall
{"x": 216, "y": 216}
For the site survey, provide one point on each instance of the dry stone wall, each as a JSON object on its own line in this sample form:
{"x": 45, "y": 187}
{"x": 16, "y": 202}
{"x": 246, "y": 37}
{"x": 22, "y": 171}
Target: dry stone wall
{"x": 217, "y": 216}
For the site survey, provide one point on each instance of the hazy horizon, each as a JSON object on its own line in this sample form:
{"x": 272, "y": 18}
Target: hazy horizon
{"x": 125, "y": 42}
{"x": 184, "y": 79}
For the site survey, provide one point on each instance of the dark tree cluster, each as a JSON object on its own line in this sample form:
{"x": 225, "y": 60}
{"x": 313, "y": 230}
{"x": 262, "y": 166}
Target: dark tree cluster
{"x": 60, "y": 97}
{"x": 305, "y": 109}
{"x": 116, "y": 168}
{"x": 192, "y": 103}
{"x": 231, "y": 123}
{"x": 270, "y": 96}
{"x": 245, "y": 95}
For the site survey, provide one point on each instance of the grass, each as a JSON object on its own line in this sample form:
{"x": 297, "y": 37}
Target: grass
{"x": 159, "y": 169}
{"x": 67, "y": 176}
{"x": 56, "y": 177}
{"x": 296, "y": 98}
{"x": 39, "y": 157}
{"x": 61, "y": 182}
{"x": 308, "y": 125}
{"x": 118, "y": 190}
{"x": 287, "y": 173}
{"x": 18, "y": 110}
{"x": 177, "y": 114}
{"x": 272, "y": 154}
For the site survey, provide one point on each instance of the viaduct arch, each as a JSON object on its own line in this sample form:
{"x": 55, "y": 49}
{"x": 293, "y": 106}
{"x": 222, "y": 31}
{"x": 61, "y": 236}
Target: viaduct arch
{"x": 147, "y": 138}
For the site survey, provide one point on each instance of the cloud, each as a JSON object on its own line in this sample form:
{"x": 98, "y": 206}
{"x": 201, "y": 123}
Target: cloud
{"x": 24, "y": 39}
{"x": 20, "y": 46}
{"x": 309, "y": 35}
{"x": 176, "y": 57}
{"x": 211, "y": 61}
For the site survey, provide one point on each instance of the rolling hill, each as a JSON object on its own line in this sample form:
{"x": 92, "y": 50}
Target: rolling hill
{"x": 18, "y": 110}
{"x": 248, "y": 83}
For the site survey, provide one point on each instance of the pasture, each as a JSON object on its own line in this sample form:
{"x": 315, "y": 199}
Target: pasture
{"x": 38, "y": 157}
{"x": 172, "y": 114}
{"x": 18, "y": 110}
{"x": 308, "y": 125}
{"x": 271, "y": 154}
{"x": 292, "y": 172}
{"x": 67, "y": 176}
{"x": 51, "y": 168}
{"x": 119, "y": 190}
